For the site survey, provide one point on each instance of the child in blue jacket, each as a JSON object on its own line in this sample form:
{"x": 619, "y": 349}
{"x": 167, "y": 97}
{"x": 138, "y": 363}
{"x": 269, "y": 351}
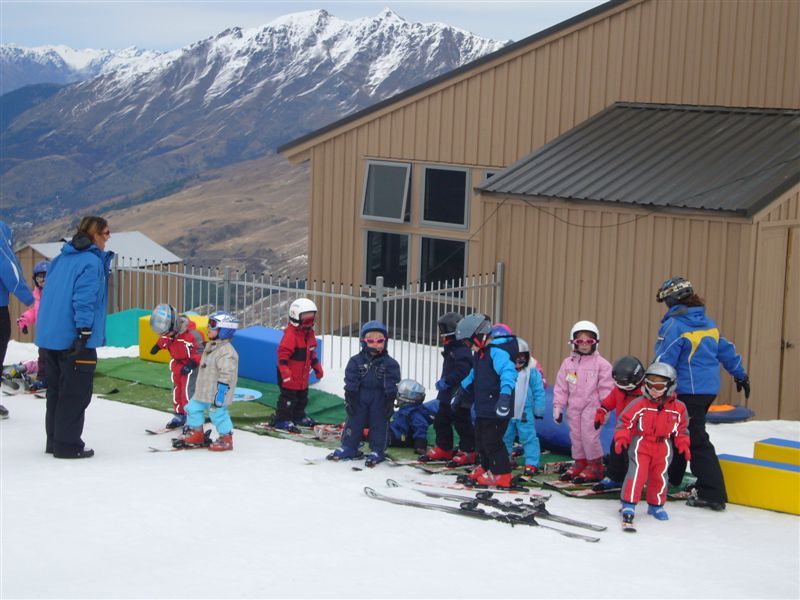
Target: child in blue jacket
{"x": 410, "y": 422}
{"x": 370, "y": 389}
{"x": 528, "y": 405}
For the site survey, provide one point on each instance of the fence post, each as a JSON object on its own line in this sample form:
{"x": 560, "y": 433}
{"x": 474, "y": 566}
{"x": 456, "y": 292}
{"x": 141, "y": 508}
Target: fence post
{"x": 379, "y": 292}
{"x": 115, "y": 280}
{"x": 498, "y": 292}
{"x": 226, "y": 289}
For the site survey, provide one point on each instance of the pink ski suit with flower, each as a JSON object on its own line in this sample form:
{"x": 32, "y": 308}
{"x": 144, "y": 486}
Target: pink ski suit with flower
{"x": 581, "y": 384}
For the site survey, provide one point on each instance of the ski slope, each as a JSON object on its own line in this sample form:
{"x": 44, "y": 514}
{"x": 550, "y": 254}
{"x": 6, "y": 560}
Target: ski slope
{"x": 258, "y": 522}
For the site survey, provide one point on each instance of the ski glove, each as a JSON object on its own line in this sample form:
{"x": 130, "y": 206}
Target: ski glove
{"x": 318, "y": 370}
{"x": 682, "y": 446}
{"x": 622, "y": 439}
{"x": 458, "y": 400}
{"x": 188, "y": 367}
{"x": 441, "y": 385}
{"x": 80, "y": 342}
{"x": 23, "y": 326}
{"x": 163, "y": 342}
{"x": 390, "y": 398}
{"x": 222, "y": 390}
{"x": 350, "y": 401}
{"x": 155, "y": 349}
{"x": 600, "y": 417}
{"x": 286, "y": 374}
{"x": 503, "y": 406}
{"x": 557, "y": 415}
{"x": 743, "y": 384}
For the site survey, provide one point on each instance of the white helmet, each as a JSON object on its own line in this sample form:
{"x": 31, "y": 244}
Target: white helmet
{"x": 164, "y": 319}
{"x": 660, "y": 391}
{"x": 298, "y": 307}
{"x": 584, "y": 326}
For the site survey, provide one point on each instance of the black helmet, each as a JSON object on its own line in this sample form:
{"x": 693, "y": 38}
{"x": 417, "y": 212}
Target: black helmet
{"x": 673, "y": 290}
{"x": 627, "y": 372}
{"x": 447, "y": 323}
{"x": 475, "y": 327}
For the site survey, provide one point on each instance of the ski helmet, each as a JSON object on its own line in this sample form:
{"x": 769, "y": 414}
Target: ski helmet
{"x": 224, "y": 323}
{"x": 673, "y": 290}
{"x": 447, "y": 323}
{"x": 524, "y": 352}
{"x": 368, "y": 327}
{"x": 476, "y": 328}
{"x": 657, "y": 390}
{"x": 40, "y": 272}
{"x": 164, "y": 319}
{"x": 410, "y": 392}
{"x": 298, "y": 308}
{"x": 501, "y": 330}
{"x": 627, "y": 373}
{"x": 584, "y": 326}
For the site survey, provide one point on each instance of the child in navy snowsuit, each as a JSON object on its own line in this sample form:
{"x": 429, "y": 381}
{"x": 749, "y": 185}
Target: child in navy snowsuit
{"x": 370, "y": 389}
{"x": 410, "y": 423}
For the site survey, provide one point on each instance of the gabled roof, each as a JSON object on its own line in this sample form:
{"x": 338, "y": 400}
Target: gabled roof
{"x": 584, "y": 16}
{"x": 697, "y": 157}
{"x": 130, "y": 246}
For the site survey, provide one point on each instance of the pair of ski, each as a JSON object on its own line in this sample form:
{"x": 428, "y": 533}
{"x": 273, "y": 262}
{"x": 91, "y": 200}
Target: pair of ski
{"x": 575, "y": 490}
{"x": 471, "y": 507}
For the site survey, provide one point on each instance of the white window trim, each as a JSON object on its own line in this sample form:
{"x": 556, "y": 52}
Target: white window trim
{"x": 366, "y": 245}
{"x": 407, "y": 167}
{"x": 422, "y": 198}
{"x": 446, "y": 239}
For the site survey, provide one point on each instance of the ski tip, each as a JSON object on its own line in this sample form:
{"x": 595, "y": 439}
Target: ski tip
{"x": 392, "y": 483}
{"x": 370, "y": 492}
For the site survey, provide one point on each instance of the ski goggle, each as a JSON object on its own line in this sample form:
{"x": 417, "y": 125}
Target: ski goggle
{"x": 374, "y": 341}
{"x": 625, "y": 386}
{"x": 214, "y": 324}
{"x": 590, "y": 341}
{"x": 307, "y": 319}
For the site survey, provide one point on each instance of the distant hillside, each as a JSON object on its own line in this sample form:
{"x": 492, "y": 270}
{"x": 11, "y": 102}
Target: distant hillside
{"x": 17, "y": 102}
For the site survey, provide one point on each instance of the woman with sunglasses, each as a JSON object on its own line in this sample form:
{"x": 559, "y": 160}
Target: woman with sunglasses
{"x": 72, "y": 324}
{"x": 583, "y": 380}
{"x": 28, "y": 318}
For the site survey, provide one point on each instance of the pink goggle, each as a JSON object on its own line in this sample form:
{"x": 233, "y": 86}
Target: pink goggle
{"x": 590, "y": 341}
{"x": 374, "y": 341}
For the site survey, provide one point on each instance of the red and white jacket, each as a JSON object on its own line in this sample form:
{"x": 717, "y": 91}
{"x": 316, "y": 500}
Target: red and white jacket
{"x": 297, "y": 355}
{"x": 653, "y": 422}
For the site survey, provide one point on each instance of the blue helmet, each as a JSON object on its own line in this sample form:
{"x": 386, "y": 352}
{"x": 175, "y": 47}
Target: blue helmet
{"x": 224, "y": 323}
{"x": 41, "y": 267}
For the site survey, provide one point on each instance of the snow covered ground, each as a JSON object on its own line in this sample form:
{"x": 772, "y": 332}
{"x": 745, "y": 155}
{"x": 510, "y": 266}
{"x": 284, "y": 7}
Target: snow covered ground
{"x": 258, "y": 522}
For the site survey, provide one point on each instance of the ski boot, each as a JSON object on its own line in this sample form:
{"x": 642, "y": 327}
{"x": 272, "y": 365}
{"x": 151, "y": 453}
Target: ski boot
{"x": 658, "y": 512}
{"x": 286, "y": 425}
{"x": 471, "y": 477}
{"x": 373, "y": 458}
{"x": 194, "y": 438}
{"x": 628, "y": 511}
{"x": 606, "y": 484}
{"x": 420, "y": 447}
{"x": 40, "y": 385}
{"x": 3, "y": 412}
{"x": 223, "y": 443}
{"x": 530, "y": 471}
{"x": 437, "y": 453}
{"x": 574, "y": 470}
{"x": 592, "y": 472}
{"x": 698, "y": 502}
{"x": 177, "y": 420}
{"x": 462, "y": 459}
{"x": 490, "y": 479}
{"x": 344, "y": 454}
{"x": 306, "y": 422}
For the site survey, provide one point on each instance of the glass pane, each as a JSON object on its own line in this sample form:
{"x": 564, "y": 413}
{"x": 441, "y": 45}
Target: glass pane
{"x": 384, "y": 196}
{"x": 442, "y": 260}
{"x": 387, "y": 255}
{"x": 445, "y": 196}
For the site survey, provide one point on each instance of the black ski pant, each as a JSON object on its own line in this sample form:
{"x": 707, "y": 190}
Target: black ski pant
{"x": 616, "y": 464}
{"x": 445, "y": 420}
{"x": 5, "y": 333}
{"x": 492, "y": 452}
{"x": 291, "y": 405}
{"x": 704, "y": 464}
{"x": 69, "y": 392}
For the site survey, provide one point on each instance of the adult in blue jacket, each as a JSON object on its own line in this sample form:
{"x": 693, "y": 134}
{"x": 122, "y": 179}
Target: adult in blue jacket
{"x": 691, "y": 342}
{"x": 72, "y": 319}
{"x": 11, "y": 282}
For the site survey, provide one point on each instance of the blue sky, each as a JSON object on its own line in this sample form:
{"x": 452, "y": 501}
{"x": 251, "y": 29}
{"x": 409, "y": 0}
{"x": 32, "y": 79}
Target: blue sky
{"x": 161, "y": 25}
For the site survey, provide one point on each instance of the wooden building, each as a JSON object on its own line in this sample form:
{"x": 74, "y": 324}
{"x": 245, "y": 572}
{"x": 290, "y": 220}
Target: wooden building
{"x": 405, "y": 188}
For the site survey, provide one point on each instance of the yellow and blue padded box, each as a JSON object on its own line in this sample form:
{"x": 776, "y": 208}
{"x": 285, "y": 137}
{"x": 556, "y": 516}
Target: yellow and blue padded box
{"x": 778, "y": 450}
{"x": 762, "y": 483}
{"x": 147, "y": 338}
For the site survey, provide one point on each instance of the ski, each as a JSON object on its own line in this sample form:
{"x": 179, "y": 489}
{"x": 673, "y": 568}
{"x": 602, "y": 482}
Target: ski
{"x": 520, "y": 491}
{"x": 467, "y": 510}
{"x": 162, "y": 430}
{"x": 178, "y": 449}
{"x": 628, "y": 526}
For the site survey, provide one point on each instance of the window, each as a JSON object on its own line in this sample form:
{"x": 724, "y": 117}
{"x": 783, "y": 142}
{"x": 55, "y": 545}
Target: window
{"x": 387, "y": 255}
{"x": 386, "y": 192}
{"x": 442, "y": 260}
{"x": 444, "y": 197}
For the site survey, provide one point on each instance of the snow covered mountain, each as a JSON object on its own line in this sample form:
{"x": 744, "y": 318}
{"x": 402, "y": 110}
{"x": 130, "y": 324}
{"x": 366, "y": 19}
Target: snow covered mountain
{"x": 151, "y": 125}
{"x": 21, "y": 66}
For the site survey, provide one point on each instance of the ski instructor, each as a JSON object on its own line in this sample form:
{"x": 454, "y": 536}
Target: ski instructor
{"x": 72, "y": 322}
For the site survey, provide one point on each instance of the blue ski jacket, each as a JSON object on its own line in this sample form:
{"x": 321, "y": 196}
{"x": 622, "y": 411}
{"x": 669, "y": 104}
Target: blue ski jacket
{"x": 456, "y": 365}
{"x": 690, "y": 341}
{"x": 12, "y": 280}
{"x": 374, "y": 378}
{"x": 493, "y": 374}
{"x": 411, "y": 422}
{"x": 76, "y": 296}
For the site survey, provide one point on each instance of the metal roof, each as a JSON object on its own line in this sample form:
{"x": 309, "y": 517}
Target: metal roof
{"x": 698, "y": 157}
{"x": 130, "y": 246}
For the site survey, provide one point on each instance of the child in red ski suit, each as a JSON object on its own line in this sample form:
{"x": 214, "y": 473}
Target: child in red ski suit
{"x": 28, "y": 319}
{"x": 646, "y": 427}
{"x": 582, "y": 381}
{"x": 297, "y": 356}
{"x": 185, "y": 346}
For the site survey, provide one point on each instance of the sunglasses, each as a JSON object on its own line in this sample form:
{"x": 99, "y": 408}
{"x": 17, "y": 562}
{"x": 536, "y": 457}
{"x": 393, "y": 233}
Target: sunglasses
{"x": 106, "y": 233}
{"x": 591, "y": 341}
{"x": 374, "y": 341}
{"x": 657, "y": 385}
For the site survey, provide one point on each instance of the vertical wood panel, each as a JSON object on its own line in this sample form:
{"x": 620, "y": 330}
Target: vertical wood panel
{"x": 484, "y": 132}
{"x": 446, "y": 117}
{"x": 526, "y": 106}
{"x": 511, "y": 115}
{"x": 459, "y": 123}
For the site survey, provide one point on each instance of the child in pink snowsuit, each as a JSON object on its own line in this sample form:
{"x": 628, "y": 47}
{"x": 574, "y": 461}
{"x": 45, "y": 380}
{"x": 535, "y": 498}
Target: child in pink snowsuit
{"x": 583, "y": 380}
{"x": 28, "y": 318}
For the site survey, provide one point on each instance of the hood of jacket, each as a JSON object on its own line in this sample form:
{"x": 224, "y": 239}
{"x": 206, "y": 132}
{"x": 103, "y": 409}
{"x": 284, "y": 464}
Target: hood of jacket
{"x": 693, "y": 317}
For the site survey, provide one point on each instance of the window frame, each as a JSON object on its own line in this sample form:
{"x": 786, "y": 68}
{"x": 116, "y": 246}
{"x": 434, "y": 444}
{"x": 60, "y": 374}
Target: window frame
{"x": 365, "y": 270}
{"x": 467, "y": 197}
{"x": 406, "y": 192}
{"x": 446, "y": 239}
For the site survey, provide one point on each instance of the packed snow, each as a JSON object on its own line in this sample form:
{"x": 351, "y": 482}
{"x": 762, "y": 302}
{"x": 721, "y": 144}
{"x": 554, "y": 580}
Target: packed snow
{"x": 258, "y": 522}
